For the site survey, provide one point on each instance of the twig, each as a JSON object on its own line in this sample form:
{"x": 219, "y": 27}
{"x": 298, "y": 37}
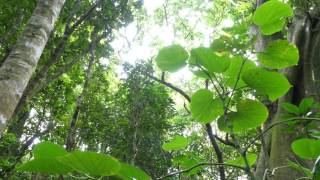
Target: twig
{"x": 199, "y": 165}
{"x": 279, "y": 123}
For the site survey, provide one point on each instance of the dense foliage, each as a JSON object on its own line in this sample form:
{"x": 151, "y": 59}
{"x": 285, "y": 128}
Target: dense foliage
{"x": 246, "y": 106}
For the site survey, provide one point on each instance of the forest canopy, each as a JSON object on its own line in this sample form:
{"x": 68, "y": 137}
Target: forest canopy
{"x": 160, "y": 89}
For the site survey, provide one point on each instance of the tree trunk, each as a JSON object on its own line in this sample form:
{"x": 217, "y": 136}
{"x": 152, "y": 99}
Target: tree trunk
{"x": 304, "y": 79}
{"x": 18, "y": 67}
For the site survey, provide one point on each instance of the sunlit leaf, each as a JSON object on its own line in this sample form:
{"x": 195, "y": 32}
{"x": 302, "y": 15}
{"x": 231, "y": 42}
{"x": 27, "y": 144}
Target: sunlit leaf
{"x": 94, "y": 164}
{"x": 250, "y": 114}
{"x": 177, "y": 143}
{"x": 266, "y": 82}
{"x": 172, "y": 58}
{"x": 279, "y": 54}
{"x": 232, "y": 74}
{"x": 306, "y": 148}
{"x": 48, "y": 149}
{"x": 45, "y": 166}
{"x": 204, "y": 108}
{"x": 211, "y": 61}
{"x": 128, "y": 172}
{"x": 271, "y": 16}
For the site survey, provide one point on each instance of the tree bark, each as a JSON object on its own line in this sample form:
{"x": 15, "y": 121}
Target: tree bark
{"x": 304, "y": 79}
{"x": 20, "y": 64}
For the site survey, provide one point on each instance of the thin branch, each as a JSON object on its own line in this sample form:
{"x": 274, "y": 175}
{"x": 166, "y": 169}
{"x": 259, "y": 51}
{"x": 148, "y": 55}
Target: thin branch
{"x": 180, "y": 91}
{"x": 279, "y": 123}
{"x": 199, "y": 165}
{"x": 226, "y": 142}
{"x": 237, "y": 81}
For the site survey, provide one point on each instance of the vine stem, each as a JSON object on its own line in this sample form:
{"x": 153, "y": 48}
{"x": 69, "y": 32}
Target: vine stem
{"x": 199, "y": 165}
{"x": 279, "y": 123}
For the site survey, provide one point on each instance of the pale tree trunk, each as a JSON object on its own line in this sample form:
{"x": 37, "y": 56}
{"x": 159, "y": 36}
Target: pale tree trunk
{"x": 305, "y": 80}
{"x": 18, "y": 67}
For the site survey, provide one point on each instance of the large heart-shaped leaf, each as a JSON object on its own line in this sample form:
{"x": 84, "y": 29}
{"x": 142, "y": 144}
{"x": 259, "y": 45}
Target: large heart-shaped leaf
{"x": 204, "y": 108}
{"x": 177, "y": 143}
{"x": 211, "y": 61}
{"x": 94, "y": 164}
{"x": 279, "y": 54}
{"x": 306, "y": 148}
{"x": 250, "y": 114}
{"x": 45, "y": 160}
{"x": 172, "y": 58}
{"x": 45, "y": 166}
{"x": 47, "y": 149}
{"x": 233, "y": 72}
{"x": 128, "y": 172}
{"x": 271, "y": 16}
{"x": 265, "y": 82}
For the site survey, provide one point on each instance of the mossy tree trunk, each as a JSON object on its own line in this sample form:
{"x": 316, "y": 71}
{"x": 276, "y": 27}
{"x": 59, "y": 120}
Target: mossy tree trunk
{"x": 18, "y": 67}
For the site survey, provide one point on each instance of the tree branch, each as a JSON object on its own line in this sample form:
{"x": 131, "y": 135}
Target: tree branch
{"x": 199, "y": 165}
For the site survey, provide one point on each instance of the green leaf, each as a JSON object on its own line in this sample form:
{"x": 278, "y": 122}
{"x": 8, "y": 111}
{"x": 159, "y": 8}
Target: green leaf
{"x": 240, "y": 162}
{"x": 46, "y": 166}
{"x": 128, "y": 172}
{"x": 47, "y": 149}
{"x": 212, "y": 62}
{"x": 187, "y": 161}
{"x": 291, "y": 108}
{"x": 172, "y": 58}
{"x": 45, "y": 160}
{"x": 306, "y": 148}
{"x": 271, "y": 16}
{"x": 204, "y": 108}
{"x": 300, "y": 168}
{"x": 279, "y": 54}
{"x": 232, "y": 73}
{"x": 177, "y": 143}
{"x": 306, "y": 105}
{"x": 94, "y": 164}
{"x": 265, "y": 82}
{"x": 316, "y": 170}
{"x": 250, "y": 114}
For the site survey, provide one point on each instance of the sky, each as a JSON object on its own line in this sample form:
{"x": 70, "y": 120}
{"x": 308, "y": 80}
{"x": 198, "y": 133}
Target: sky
{"x": 130, "y": 49}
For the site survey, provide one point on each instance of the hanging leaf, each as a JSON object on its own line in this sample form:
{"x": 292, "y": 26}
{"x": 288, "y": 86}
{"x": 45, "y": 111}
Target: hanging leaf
{"x": 271, "y": 16}
{"x": 94, "y": 164}
{"x": 279, "y": 54}
{"x": 46, "y": 166}
{"x": 204, "y": 108}
{"x": 45, "y": 160}
{"x": 172, "y": 58}
{"x": 265, "y": 82}
{"x": 240, "y": 162}
{"x": 212, "y": 62}
{"x": 300, "y": 168}
{"x": 306, "y": 105}
{"x": 232, "y": 73}
{"x": 128, "y": 172}
{"x": 250, "y": 114}
{"x": 177, "y": 143}
{"x": 291, "y": 108}
{"x": 306, "y": 148}
{"x": 48, "y": 149}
